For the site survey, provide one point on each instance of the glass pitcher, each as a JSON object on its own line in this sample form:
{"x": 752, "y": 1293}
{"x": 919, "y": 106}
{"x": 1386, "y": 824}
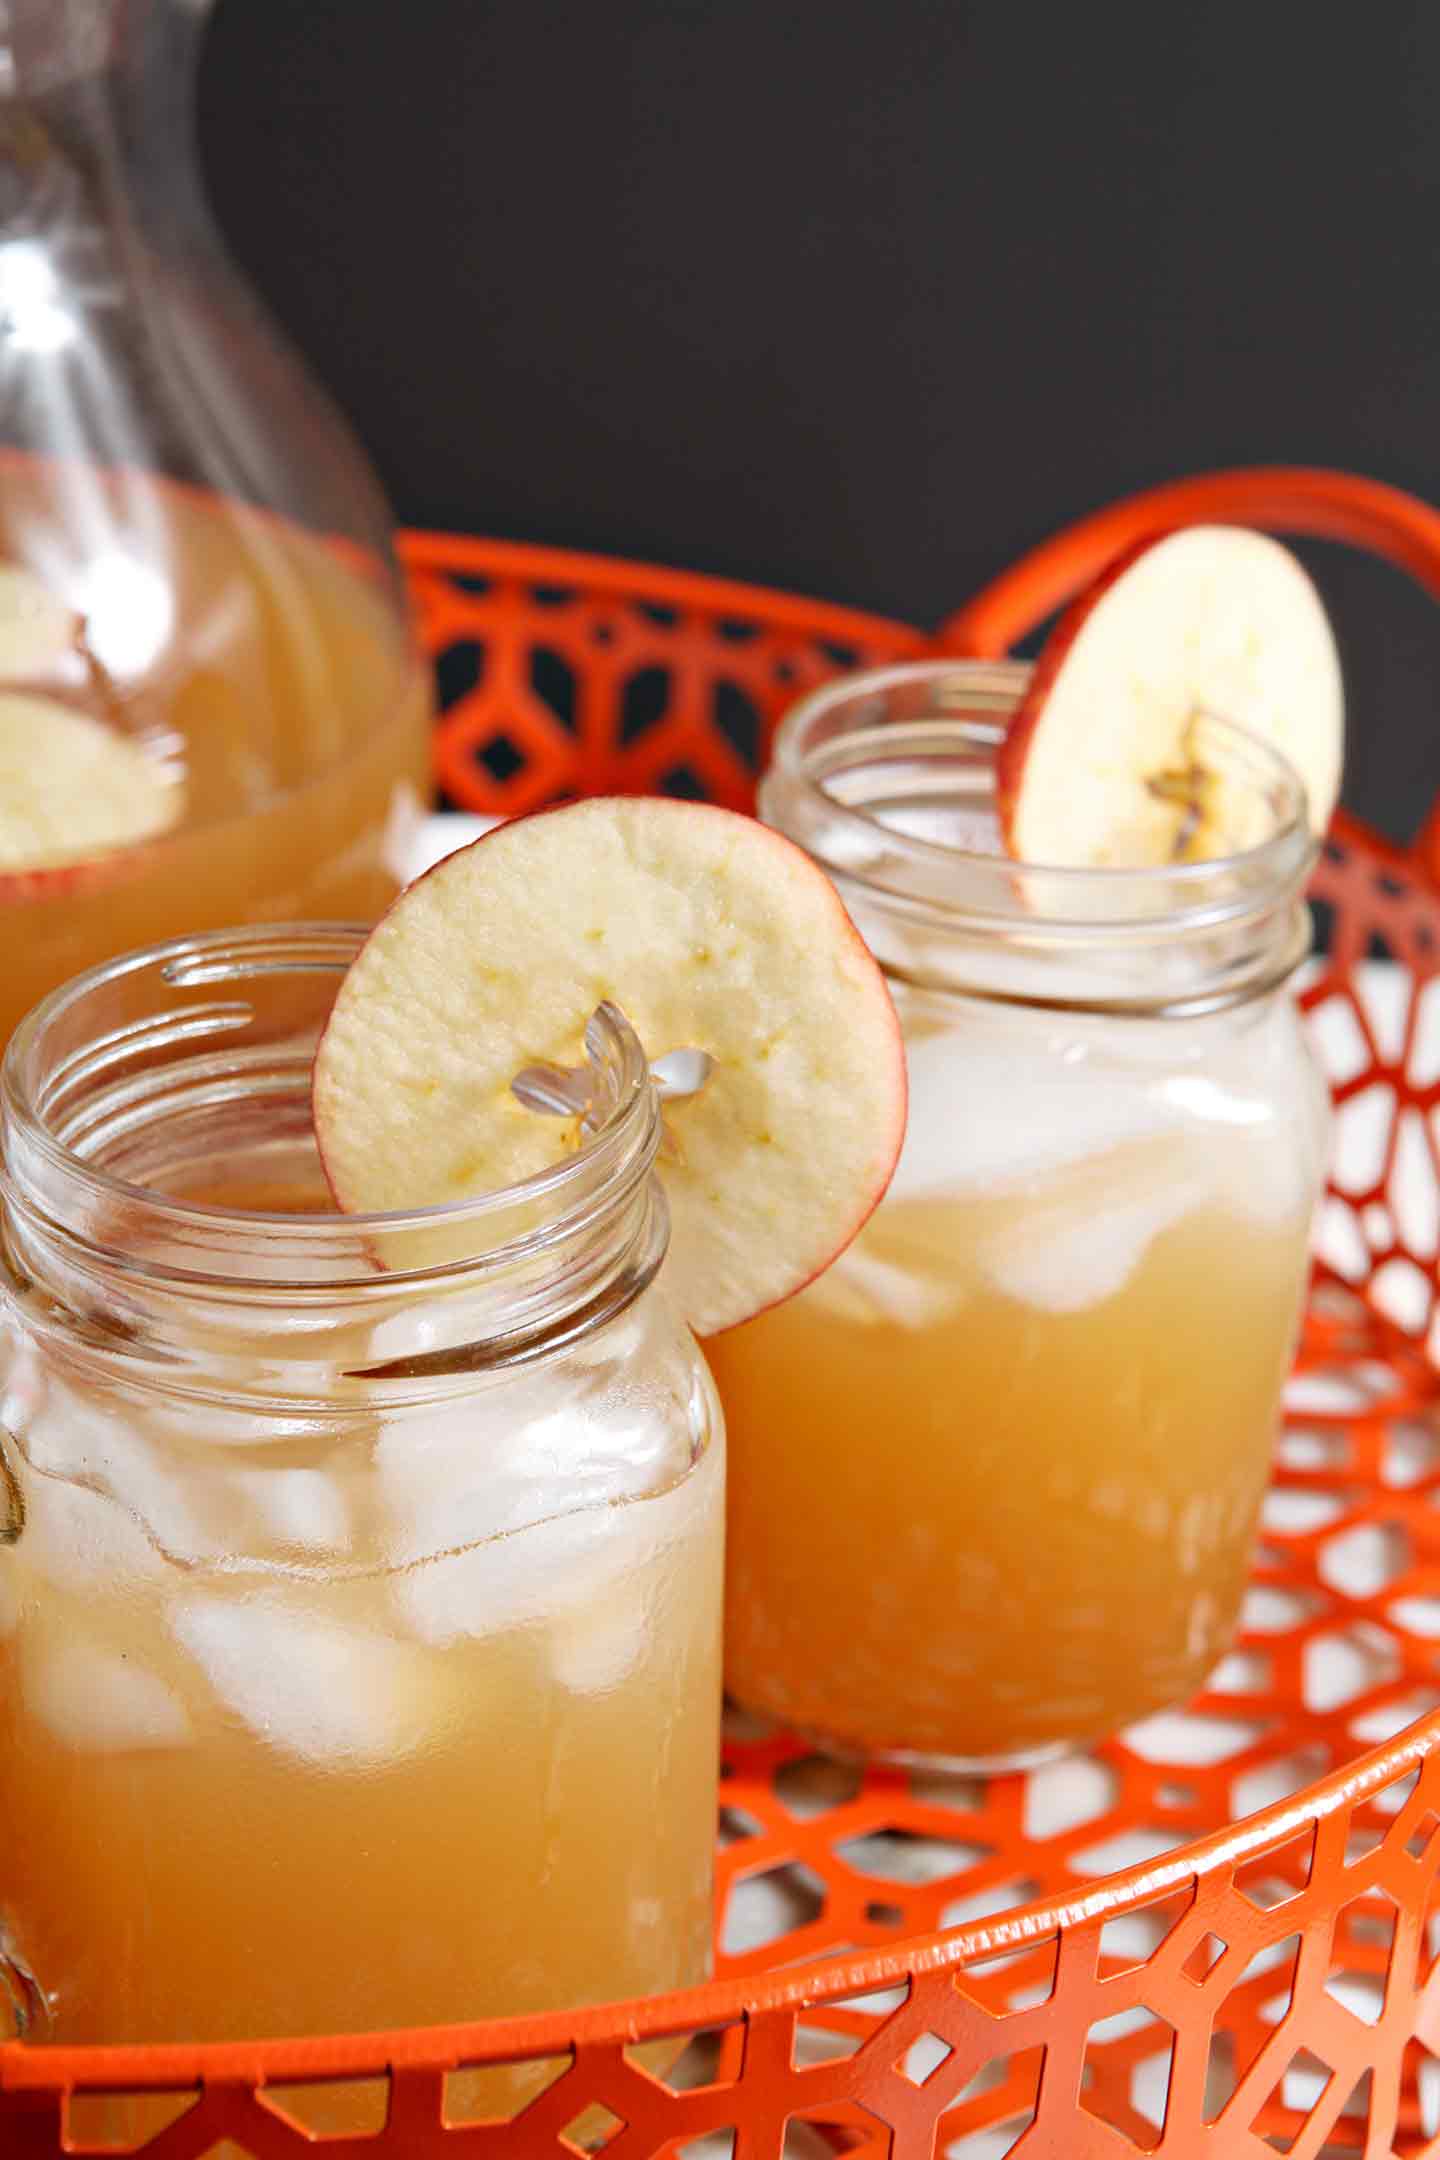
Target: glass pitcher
{"x": 212, "y": 709}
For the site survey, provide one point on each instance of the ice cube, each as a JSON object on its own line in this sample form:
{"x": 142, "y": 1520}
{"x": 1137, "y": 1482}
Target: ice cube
{"x": 512, "y": 1456}
{"x": 513, "y": 1580}
{"x": 312, "y": 1687}
{"x": 593, "y": 1647}
{"x": 583, "y": 1562}
{"x": 301, "y": 1508}
{"x": 78, "y": 1441}
{"x": 868, "y": 1291}
{"x": 1068, "y": 1254}
{"x": 100, "y": 1700}
{"x": 986, "y": 1113}
{"x": 668, "y": 1542}
{"x": 409, "y": 1332}
{"x": 83, "y": 1541}
{"x": 1266, "y": 1127}
{"x": 607, "y": 1349}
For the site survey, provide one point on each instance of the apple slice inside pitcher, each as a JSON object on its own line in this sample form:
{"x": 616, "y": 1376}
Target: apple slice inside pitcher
{"x": 73, "y": 790}
{"x": 37, "y": 629}
{"x": 1108, "y": 761}
{"x": 767, "y": 1023}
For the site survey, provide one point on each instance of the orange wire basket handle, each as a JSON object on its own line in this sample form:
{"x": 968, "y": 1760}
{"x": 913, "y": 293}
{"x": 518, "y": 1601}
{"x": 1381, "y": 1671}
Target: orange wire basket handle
{"x": 1279, "y": 498}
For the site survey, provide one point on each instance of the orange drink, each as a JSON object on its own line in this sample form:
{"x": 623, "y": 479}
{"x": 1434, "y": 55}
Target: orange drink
{"x": 1070, "y": 1463}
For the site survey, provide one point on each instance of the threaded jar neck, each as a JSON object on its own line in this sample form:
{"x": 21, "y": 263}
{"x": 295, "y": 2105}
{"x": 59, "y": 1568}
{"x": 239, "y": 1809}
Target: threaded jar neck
{"x": 159, "y": 1073}
{"x": 888, "y": 780}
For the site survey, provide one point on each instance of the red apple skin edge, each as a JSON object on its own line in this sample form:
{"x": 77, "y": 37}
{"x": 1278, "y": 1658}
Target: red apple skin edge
{"x": 895, "y": 1139}
{"x": 1014, "y": 749}
{"x": 53, "y": 881}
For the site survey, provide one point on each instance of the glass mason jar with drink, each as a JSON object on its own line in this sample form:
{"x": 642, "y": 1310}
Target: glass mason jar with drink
{"x": 360, "y": 1572}
{"x": 1026, "y": 1421}
{"x": 212, "y": 709}
{"x": 350, "y": 1609}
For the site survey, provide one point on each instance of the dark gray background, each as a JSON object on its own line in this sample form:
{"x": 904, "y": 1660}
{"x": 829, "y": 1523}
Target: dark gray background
{"x": 859, "y": 298}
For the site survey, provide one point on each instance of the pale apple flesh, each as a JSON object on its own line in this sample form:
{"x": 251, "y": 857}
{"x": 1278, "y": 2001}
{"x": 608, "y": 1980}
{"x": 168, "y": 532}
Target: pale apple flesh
{"x": 712, "y": 935}
{"x": 1110, "y": 759}
{"x": 73, "y": 789}
{"x": 37, "y": 630}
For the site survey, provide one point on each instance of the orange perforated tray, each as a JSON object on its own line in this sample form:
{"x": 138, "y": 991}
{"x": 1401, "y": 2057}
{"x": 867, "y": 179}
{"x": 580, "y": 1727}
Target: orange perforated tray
{"x": 1108, "y": 1956}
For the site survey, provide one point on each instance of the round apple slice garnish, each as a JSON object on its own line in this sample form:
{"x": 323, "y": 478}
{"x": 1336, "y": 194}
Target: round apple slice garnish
{"x": 1114, "y": 757}
{"x": 768, "y": 1024}
{"x": 72, "y": 789}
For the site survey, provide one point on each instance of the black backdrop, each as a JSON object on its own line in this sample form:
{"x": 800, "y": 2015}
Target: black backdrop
{"x": 859, "y": 297}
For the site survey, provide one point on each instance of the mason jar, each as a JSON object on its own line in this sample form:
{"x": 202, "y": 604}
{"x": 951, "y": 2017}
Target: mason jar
{"x": 995, "y": 1477}
{"x": 361, "y": 1620}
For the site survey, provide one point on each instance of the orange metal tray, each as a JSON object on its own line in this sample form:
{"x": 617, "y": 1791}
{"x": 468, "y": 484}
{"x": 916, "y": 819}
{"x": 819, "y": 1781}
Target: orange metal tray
{"x": 1105, "y": 1957}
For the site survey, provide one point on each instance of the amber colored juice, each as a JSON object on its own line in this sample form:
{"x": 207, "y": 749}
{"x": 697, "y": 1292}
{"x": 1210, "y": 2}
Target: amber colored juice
{"x": 246, "y": 1801}
{"x": 982, "y": 1504}
{"x": 302, "y": 717}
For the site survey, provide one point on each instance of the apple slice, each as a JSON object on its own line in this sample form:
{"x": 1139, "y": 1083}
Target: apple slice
{"x": 72, "y": 789}
{"x": 37, "y": 630}
{"x": 1114, "y": 758}
{"x": 713, "y": 935}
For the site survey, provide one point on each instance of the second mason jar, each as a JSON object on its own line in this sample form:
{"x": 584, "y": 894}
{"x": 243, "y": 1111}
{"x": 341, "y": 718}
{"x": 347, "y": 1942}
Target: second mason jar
{"x": 995, "y": 1477}
{"x": 359, "y": 1617}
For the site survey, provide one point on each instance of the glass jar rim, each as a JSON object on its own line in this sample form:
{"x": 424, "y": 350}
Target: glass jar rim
{"x": 615, "y": 1156}
{"x": 863, "y": 760}
{"x": 994, "y": 687}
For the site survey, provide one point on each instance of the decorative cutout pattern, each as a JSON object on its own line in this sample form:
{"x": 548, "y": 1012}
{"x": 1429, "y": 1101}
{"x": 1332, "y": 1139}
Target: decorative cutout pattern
{"x": 573, "y": 675}
{"x": 1241, "y": 1987}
